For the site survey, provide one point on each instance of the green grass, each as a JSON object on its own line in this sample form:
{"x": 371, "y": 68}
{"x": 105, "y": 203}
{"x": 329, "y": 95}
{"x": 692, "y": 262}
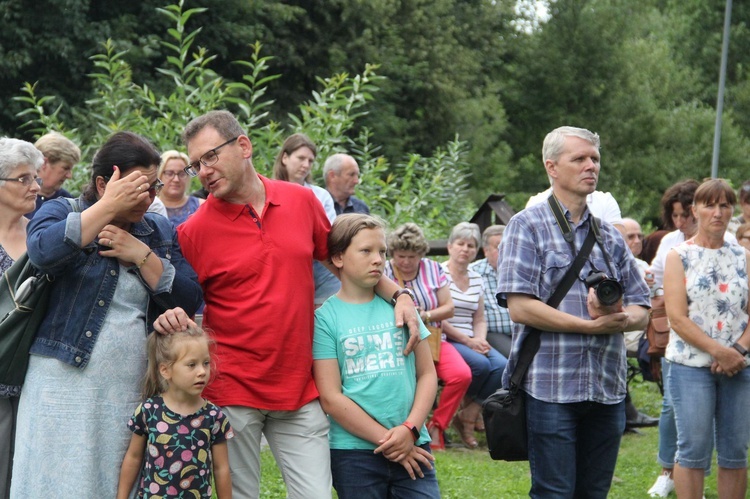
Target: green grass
{"x": 468, "y": 474}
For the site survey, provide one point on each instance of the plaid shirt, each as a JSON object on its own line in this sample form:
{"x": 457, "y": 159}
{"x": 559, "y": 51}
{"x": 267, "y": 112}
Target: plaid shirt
{"x": 498, "y": 318}
{"x": 534, "y": 257}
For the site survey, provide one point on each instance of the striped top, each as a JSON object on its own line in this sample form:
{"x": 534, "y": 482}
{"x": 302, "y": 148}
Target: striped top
{"x": 429, "y": 279}
{"x": 466, "y": 302}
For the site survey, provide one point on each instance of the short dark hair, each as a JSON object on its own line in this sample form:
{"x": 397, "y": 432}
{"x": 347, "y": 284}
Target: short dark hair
{"x": 223, "y": 122}
{"x": 126, "y": 150}
{"x": 346, "y": 226}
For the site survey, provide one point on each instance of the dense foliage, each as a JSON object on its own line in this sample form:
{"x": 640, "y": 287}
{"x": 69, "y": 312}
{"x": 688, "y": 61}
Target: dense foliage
{"x": 643, "y": 73}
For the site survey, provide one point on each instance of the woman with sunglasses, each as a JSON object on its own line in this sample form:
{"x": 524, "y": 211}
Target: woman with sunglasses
{"x": 116, "y": 268}
{"x": 20, "y": 162}
{"x": 180, "y": 205}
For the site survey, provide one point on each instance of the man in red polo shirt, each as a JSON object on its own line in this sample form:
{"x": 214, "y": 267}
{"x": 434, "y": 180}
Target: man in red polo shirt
{"x": 251, "y": 244}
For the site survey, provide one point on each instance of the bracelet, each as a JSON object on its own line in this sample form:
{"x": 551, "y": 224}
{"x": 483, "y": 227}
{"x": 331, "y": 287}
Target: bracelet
{"x": 145, "y": 259}
{"x": 428, "y": 316}
{"x": 413, "y": 429}
{"x": 403, "y": 291}
{"x": 742, "y": 350}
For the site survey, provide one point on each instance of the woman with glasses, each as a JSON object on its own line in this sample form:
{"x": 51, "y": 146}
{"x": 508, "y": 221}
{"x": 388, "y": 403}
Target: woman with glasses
{"x": 116, "y": 268}
{"x": 180, "y": 205}
{"x": 20, "y": 162}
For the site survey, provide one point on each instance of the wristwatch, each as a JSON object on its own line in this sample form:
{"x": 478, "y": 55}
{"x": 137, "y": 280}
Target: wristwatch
{"x": 413, "y": 429}
{"x": 741, "y": 349}
{"x": 403, "y": 291}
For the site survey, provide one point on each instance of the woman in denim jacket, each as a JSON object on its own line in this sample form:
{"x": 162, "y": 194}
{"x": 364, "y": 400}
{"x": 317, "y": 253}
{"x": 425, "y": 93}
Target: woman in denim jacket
{"x": 116, "y": 268}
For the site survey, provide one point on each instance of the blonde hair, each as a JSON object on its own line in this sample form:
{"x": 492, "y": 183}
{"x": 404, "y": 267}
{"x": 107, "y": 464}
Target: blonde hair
{"x": 162, "y": 350}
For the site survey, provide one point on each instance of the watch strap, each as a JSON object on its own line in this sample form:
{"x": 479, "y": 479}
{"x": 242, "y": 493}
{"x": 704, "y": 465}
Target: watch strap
{"x": 403, "y": 291}
{"x": 742, "y": 350}
{"x": 412, "y": 428}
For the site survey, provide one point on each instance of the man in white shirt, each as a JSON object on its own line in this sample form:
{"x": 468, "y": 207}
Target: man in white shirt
{"x": 602, "y": 204}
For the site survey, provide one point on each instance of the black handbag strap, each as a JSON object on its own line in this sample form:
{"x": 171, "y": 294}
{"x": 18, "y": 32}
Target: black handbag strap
{"x": 531, "y": 343}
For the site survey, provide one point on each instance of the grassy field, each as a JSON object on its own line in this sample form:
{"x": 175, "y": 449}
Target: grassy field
{"x": 468, "y": 474}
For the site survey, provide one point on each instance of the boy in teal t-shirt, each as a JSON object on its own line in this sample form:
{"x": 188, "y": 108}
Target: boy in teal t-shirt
{"x": 377, "y": 399}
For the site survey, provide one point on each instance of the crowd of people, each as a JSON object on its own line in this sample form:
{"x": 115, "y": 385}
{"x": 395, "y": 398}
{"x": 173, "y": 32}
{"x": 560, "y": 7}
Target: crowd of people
{"x": 340, "y": 342}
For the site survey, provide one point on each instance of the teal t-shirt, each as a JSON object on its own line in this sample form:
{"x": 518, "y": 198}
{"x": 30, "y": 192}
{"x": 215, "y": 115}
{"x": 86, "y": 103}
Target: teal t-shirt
{"x": 374, "y": 372}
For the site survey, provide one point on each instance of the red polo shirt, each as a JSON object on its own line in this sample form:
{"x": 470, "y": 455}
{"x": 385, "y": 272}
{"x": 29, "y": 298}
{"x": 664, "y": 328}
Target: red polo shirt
{"x": 256, "y": 274}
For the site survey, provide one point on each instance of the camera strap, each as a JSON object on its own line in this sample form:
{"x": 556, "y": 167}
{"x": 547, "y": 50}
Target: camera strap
{"x": 531, "y": 343}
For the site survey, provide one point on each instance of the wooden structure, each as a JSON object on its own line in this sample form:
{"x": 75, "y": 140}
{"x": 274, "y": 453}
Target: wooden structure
{"x": 493, "y": 211}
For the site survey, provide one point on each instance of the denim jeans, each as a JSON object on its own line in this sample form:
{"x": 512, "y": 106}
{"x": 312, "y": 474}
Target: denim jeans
{"x": 486, "y": 371}
{"x": 360, "y": 474}
{"x": 705, "y": 405}
{"x": 667, "y": 427}
{"x": 573, "y": 448}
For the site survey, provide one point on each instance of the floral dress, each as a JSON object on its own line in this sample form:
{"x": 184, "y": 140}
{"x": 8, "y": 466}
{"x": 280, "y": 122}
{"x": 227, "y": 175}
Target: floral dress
{"x": 178, "y": 451}
{"x": 717, "y": 294}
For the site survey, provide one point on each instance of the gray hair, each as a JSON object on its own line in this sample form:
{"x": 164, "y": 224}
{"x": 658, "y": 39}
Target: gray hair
{"x": 554, "y": 141}
{"x": 223, "y": 122}
{"x": 491, "y": 231}
{"x": 465, "y": 230}
{"x": 15, "y": 153}
{"x": 333, "y": 163}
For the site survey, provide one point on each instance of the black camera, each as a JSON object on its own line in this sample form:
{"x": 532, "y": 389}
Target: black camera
{"x": 609, "y": 291}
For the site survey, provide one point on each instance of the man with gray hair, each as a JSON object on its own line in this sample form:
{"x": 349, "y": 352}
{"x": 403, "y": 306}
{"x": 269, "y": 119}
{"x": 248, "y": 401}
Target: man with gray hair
{"x": 499, "y": 325}
{"x": 574, "y": 387}
{"x": 341, "y": 174}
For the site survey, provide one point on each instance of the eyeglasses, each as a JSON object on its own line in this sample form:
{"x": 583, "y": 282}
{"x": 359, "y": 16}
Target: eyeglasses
{"x": 155, "y": 188}
{"x": 208, "y": 159}
{"x": 169, "y": 174}
{"x": 25, "y": 180}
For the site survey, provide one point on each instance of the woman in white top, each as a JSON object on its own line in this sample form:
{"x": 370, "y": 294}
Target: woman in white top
{"x": 467, "y": 329}
{"x": 706, "y": 294}
{"x": 294, "y": 164}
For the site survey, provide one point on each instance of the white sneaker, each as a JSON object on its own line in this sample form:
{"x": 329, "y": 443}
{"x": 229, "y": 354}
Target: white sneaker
{"x": 663, "y": 487}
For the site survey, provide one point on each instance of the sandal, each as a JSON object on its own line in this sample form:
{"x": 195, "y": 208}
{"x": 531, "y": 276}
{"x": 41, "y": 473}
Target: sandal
{"x": 437, "y": 442}
{"x": 465, "y": 430}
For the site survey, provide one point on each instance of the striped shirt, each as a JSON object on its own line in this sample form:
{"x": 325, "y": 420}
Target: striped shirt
{"x": 429, "y": 279}
{"x": 466, "y": 302}
{"x": 534, "y": 257}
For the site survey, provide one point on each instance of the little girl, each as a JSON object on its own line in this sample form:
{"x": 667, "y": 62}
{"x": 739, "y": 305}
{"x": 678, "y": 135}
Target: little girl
{"x": 185, "y": 435}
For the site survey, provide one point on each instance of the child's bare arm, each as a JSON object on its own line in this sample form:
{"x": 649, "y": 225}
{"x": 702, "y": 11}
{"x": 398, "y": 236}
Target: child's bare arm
{"x": 222, "y": 477}
{"x": 424, "y": 398}
{"x": 131, "y": 465}
{"x": 340, "y": 407}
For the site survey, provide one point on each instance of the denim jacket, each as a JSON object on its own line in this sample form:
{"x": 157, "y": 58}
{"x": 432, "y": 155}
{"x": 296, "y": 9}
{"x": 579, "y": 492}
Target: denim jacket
{"x": 85, "y": 281}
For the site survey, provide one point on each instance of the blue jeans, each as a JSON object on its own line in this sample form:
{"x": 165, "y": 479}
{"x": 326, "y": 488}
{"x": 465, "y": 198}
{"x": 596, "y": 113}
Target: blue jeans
{"x": 326, "y": 284}
{"x": 667, "y": 427}
{"x": 360, "y": 474}
{"x": 573, "y": 448}
{"x": 486, "y": 371}
{"x": 706, "y": 404}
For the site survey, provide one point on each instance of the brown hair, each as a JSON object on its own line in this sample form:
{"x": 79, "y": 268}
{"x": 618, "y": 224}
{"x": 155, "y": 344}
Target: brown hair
{"x": 682, "y": 192}
{"x": 162, "y": 350}
{"x": 291, "y": 144}
{"x": 408, "y": 237}
{"x": 346, "y": 226}
{"x": 712, "y": 190}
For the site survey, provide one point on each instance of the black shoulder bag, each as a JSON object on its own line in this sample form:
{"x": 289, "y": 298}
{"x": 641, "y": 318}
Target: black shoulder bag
{"x": 504, "y": 411}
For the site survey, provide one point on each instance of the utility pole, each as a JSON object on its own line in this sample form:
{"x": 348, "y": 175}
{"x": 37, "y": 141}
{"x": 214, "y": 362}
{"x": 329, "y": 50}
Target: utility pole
{"x": 720, "y": 97}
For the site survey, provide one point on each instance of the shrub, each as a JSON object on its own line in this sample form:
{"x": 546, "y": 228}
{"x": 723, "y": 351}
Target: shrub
{"x": 430, "y": 191}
